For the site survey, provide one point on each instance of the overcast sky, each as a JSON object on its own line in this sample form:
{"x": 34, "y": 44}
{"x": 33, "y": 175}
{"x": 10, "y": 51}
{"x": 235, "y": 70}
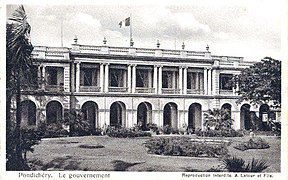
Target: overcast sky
{"x": 251, "y": 30}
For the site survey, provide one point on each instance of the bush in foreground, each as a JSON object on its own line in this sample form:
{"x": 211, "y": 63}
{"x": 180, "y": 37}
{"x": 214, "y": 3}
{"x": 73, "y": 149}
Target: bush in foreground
{"x": 234, "y": 164}
{"x": 29, "y": 138}
{"x": 183, "y": 146}
{"x": 257, "y": 143}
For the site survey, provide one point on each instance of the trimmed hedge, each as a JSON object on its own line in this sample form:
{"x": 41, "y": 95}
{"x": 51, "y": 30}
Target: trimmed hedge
{"x": 183, "y": 146}
{"x": 126, "y": 133}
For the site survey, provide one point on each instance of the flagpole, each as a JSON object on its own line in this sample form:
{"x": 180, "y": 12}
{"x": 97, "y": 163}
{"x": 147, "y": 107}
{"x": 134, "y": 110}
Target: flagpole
{"x": 61, "y": 32}
{"x": 131, "y": 30}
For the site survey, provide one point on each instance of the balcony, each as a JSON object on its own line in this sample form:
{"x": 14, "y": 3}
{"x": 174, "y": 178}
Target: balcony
{"x": 89, "y": 89}
{"x": 170, "y": 91}
{"x": 118, "y": 89}
{"x": 195, "y": 91}
{"x": 226, "y": 92}
{"x": 54, "y": 88}
{"x": 144, "y": 90}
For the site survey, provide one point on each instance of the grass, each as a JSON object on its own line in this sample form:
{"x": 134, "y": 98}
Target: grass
{"x": 126, "y": 154}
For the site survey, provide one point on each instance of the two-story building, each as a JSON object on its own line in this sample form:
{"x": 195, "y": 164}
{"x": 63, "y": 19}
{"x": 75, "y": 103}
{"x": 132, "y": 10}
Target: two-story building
{"x": 128, "y": 85}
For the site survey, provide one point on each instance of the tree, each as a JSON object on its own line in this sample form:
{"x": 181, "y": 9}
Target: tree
{"x": 260, "y": 83}
{"x": 18, "y": 70}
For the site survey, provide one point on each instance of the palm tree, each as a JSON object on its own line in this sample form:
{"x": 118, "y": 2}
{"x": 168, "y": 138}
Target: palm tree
{"x": 219, "y": 119}
{"x": 18, "y": 65}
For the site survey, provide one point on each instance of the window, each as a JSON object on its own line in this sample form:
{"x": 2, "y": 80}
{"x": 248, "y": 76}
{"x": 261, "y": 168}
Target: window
{"x": 167, "y": 79}
{"x": 224, "y": 81}
{"x": 142, "y": 79}
{"x": 88, "y": 77}
{"x": 195, "y": 80}
{"x": 52, "y": 76}
{"x": 116, "y": 78}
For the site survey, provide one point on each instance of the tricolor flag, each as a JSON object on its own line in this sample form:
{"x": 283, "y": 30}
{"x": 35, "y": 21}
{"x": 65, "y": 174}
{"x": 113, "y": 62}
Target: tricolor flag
{"x": 125, "y": 22}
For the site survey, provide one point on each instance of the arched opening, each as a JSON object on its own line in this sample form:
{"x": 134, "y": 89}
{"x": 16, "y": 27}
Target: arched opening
{"x": 117, "y": 114}
{"x": 264, "y": 115}
{"x": 28, "y": 113}
{"x": 245, "y": 117}
{"x": 195, "y": 116}
{"x": 144, "y": 115}
{"x": 90, "y": 111}
{"x": 54, "y": 112}
{"x": 170, "y": 115}
{"x": 227, "y": 107}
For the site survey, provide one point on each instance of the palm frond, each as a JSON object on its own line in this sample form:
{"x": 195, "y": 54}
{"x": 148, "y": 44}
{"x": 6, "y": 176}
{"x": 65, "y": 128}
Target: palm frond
{"x": 19, "y": 15}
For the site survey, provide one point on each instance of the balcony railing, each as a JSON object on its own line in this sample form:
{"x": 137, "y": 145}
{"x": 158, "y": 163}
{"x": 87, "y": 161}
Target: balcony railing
{"x": 170, "y": 91}
{"x": 54, "y": 88}
{"x": 90, "y": 89}
{"x": 118, "y": 89}
{"x": 195, "y": 91}
{"x": 226, "y": 92}
{"x": 145, "y": 90}
{"x": 25, "y": 87}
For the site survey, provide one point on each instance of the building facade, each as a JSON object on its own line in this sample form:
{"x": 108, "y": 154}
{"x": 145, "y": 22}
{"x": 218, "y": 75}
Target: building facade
{"x": 127, "y": 85}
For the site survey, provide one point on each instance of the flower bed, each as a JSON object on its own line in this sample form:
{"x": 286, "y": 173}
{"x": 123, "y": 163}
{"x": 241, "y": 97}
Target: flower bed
{"x": 183, "y": 146}
{"x": 220, "y": 133}
{"x": 257, "y": 143}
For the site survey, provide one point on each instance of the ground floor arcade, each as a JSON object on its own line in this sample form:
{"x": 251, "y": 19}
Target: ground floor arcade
{"x": 128, "y": 111}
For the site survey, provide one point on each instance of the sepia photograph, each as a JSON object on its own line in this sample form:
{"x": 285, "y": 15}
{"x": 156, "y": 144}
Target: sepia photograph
{"x": 155, "y": 90}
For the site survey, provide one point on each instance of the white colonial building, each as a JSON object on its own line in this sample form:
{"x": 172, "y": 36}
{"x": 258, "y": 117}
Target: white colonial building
{"x": 128, "y": 85}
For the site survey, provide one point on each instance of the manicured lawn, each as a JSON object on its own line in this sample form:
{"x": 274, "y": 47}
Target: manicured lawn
{"x": 130, "y": 155}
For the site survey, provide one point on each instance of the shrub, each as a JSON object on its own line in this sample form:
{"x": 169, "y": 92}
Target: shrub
{"x": 235, "y": 164}
{"x": 257, "y": 143}
{"x": 126, "y": 133}
{"x": 88, "y": 146}
{"x": 183, "y": 146}
{"x": 275, "y": 127}
{"x": 52, "y": 130}
{"x": 78, "y": 125}
{"x": 153, "y": 127}
{"x": 167, "y": 129}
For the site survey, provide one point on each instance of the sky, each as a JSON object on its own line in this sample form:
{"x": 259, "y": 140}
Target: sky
{"x": 251, "y": 30}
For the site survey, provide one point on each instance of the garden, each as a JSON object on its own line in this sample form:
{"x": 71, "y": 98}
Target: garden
{"x": 104, "y": 153}
{"x": 217, "y": 148}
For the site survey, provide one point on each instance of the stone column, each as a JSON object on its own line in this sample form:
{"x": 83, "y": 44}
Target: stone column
{"x": 180, "y": 80}
{"x": 197, "y": 82}
{"x": 155, "y": 82}
{"x": 101, "y": 76}
{"x": 43, "y": 72}
{"x": 78, "y": 77}
{"x": 215, "y": 78}
{"x": 106, "y": 78}
{"x": 209, "y": 87}
{"x": 39, "y": 72}
{"x": 237, "y": 88}
{"x": 67, "y": 79}
{"x": 185, "y": 81}
{"x": 133, "y": 78}
{"x": 150, "y": 80}
{"x": 129, "y": 78}
{"x": 160, "y": 80}
{"x": 43, "y": 77}
{"x": 205, "y": 81}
